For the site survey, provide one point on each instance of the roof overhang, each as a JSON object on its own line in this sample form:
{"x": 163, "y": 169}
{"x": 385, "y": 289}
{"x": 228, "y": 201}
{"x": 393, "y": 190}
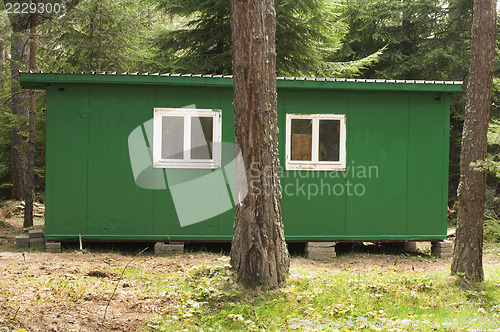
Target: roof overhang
{"x": 39, "y": 80}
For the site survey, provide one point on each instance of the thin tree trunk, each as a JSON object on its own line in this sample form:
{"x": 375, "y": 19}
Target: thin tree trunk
{"x": 29, "y": 192}
{"x": 259, "y": 252}
{"x": 3, "y": 49}
{"x": 18, "y": 60}
{"x": 100, "y": 38}
{"x": 91, "y": 57}
{"x": 219, "y": 46}
{"x": 468, "y": 253}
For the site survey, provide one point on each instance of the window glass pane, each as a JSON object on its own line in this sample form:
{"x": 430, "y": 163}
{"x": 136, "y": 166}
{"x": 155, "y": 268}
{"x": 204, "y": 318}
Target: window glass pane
{"x": 201, "y": 137}
{"x": 329, "y": 140}
{"x": 301, "y": 139}
{"x": 172, "y": 137}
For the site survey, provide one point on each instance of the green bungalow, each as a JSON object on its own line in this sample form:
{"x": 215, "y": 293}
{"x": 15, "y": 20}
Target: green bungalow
{"x": 152, "y": 157}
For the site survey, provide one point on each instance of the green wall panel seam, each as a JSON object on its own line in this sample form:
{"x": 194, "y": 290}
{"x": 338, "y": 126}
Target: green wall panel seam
{"x": 281, "y": 107}
{"x": 87, "y": 161}
{"x": 222, "y": 168}
{"x": 408, "y": 164}
{"x": 348, "y": 107}
{"x": 155, "y": 192}
{"x": 446, "y": 161}
{"x": 145, "y": 136}
{"x": 48, "y": 150}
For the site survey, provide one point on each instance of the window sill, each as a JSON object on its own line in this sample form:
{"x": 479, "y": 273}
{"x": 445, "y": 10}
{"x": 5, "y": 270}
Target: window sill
{"x": 185, "y": 164}
{"x": 314, "y": 167}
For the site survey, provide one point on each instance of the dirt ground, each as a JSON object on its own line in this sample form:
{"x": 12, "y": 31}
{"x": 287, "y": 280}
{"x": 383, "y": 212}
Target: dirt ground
{"x": 35, "y": 296}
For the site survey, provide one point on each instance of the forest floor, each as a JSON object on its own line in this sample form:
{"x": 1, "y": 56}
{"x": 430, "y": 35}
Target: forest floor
{"x": 103, "y": 288}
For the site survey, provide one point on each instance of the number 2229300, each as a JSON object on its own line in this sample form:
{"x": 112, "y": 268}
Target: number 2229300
{"x": 32, "y": 8}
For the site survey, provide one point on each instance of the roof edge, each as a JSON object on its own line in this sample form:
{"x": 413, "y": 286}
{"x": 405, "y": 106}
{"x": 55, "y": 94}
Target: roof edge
{"x": 41, "y": 80}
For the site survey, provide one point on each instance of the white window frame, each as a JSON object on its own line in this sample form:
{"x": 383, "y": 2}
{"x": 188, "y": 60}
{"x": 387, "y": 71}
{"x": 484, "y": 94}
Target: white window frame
{"x": 187, "y": 162}
{"x": 315, "y": 164}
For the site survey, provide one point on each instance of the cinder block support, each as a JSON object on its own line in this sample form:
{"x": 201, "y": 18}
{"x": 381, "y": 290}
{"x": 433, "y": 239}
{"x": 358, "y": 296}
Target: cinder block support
{"x": 162, "y": 248}
{"x": 35, "y": 233}
{"x": 410, "y": 246}
{"x": 320, "y": 250}
{"x": 34, "y": 241}
{"x": 36, "y": 236}
{"x": 53, "y": 247}
{"x": 22, "y": 241}
{"x": 442, "y": 249}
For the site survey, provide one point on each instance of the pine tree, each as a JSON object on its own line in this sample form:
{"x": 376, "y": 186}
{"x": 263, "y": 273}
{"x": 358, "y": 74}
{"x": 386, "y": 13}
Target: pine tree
{"x": 468, "y": 252}
{"x": 18, "y": 61}
{"x": 258, "y": 252}
{"x": 424, "y": 39}
{"x": 29, "y": 190}
{"x": 98, "y": 35}
{"x": 6, "y": 117}
{"x": 308, "y": 33}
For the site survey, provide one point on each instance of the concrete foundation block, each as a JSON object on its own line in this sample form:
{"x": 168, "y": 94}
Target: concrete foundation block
{"x": 169, "y": 248}
{"x": 53, "y": 247}
{"x": 36, "y": 241}
{"x": 320, "y": 244}
{"x": 442, "y": 249}
{"x": 22, "y": 241}
{"x": 320, "y": 250}
{"x": 35, "y": 233}
{"x": 443, "y": 244}
{"x": 321, "y": 255}
{"x": 410, "y": 246}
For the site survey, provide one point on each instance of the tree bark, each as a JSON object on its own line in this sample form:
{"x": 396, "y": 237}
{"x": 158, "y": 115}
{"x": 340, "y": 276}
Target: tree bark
{"x": 99, "y": 56}
{"x": 19, "y": 58}
{"x": 4, "y": 50}
{"x": 468, "y": 252}
{"x": 29, "y": 193}
{"x": 259, "y": 252}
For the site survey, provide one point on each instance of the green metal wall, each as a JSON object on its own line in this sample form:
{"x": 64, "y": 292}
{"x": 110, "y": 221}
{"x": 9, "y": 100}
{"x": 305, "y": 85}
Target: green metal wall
{"x": 403, "y": 135}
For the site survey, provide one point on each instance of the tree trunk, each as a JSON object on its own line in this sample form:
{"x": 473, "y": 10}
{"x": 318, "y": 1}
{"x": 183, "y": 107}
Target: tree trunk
{"x": 4, "y": 49}
{"x": 259, "y": 252}
{"x": 18, "y": 61}
{"x": 468, "y": 252}
{"x": 99, "y": 56}
{"x": 29, "y": 193}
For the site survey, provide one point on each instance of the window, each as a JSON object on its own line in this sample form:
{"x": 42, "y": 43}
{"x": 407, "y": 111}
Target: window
{"x": 186, "y": 138}
{"x": 315, "y": 142}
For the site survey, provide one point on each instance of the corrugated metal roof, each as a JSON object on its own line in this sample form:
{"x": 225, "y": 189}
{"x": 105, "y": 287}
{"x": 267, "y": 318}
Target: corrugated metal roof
{"x": 280, "y": 78}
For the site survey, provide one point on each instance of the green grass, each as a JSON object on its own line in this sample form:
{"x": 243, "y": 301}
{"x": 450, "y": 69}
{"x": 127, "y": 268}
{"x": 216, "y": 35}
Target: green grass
{"x": 206, "y": 298}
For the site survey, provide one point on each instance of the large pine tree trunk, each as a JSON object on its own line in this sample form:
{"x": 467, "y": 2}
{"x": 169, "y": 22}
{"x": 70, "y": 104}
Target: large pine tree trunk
{"x": 29, "y": 193}
{"x": 259, "y": 253}
{"x": 468, "y": 253}
{"x": 19, "y": 58}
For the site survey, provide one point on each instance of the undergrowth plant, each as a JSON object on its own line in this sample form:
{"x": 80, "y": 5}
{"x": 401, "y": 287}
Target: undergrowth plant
{"x": 206, "y": 298}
